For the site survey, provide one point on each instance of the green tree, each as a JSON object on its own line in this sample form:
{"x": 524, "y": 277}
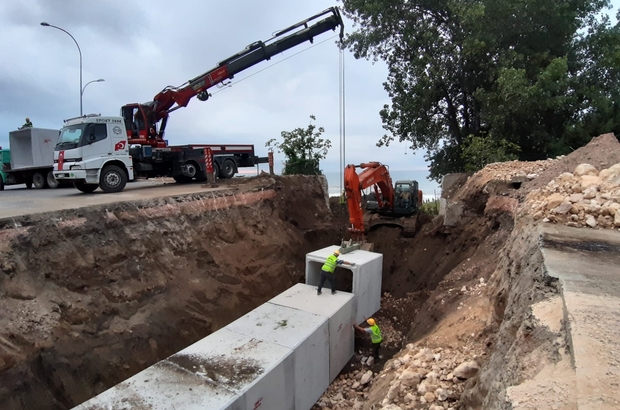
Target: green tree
{"x": 477, "y": 152}
{"x": 303, "y": 149}
{"x": 541, "y": 74}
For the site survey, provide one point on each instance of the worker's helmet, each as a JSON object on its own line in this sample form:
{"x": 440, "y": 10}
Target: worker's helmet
{"x": 337, "y": 252}
{"x": 371, "y": 321}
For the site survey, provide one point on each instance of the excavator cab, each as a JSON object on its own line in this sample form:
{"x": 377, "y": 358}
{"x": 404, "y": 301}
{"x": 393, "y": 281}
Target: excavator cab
{"x": 405, "y": 197}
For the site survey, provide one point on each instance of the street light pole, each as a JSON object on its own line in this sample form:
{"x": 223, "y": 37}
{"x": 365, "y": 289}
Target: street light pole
{"x": 44, "y": 24}
{"x": 82, "y": 91}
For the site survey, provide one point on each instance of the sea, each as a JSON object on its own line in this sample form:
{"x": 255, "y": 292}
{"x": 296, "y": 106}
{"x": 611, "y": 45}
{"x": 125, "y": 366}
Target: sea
{"x": 430, "y": 189}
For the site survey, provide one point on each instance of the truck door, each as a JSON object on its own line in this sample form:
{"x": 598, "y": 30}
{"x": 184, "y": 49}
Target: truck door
{"x": 96, "y": 146}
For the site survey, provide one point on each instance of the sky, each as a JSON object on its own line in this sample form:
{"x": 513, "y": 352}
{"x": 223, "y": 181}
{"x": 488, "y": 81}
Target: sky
{"x": 140, "y": 46}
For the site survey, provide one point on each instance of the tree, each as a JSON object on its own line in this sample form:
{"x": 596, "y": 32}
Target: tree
{"x": 541, "y": 74}
{"x": 477, "y": 152}
{"x": 303, "y": 148}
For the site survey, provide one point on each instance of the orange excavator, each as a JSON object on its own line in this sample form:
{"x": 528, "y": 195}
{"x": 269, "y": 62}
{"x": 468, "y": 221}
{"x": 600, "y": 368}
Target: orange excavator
{"x": 393, "y": 205}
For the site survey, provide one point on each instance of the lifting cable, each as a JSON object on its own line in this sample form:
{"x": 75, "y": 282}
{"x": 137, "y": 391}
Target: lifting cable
{"x": 341, "y": 119}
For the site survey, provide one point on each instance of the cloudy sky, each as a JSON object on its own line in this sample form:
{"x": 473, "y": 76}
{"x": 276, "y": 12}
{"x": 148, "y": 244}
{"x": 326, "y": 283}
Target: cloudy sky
{"x": 139, "y": 47}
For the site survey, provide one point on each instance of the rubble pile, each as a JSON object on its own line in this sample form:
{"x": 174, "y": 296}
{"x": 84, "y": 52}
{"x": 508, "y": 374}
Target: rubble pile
{"x": 585, "y": 198}
{"x": 508, "y": 171}
{"x": 422, "y": 378}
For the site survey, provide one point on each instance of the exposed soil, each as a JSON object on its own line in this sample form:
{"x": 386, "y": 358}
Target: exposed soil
{"x": 93, "y": 296}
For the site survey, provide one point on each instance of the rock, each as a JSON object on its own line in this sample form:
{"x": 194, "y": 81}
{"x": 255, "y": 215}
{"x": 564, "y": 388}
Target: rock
{"x": 356, "y": 385}
{"x": 432, "y": 377}
{"x": 466, "y": 370}
{"x": 611, "y": 175}
{"x": 554, "y": 200}
{"x": 409, "y": 398}
{"x": 531, "y": 176}
{"x": 393, "y": 391}
{"x": 574, "y": 198}
{"x": 591, "y": 222}
{"x": 370, "y": 361}
{"x": 585, "y": 169}
{"x": 590, "y": 180}
{"x": 429, "y": 397}
{"x": 617, "y": 220}
{"x": 391, "y": 407}
{"x": 409, "y": 378}
{"x": 441, "y": 394}
{"x": 366, "y": 377}
{"x": 563, "y": 208}
{"x": 589, "y": 193}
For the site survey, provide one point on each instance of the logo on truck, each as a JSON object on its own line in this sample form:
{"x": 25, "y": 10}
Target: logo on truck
{"x": 117, "y": 130}
{"x": 120, "y": 146}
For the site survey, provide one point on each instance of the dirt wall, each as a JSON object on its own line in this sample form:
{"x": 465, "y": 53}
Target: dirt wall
{"x": 94, "y": 295}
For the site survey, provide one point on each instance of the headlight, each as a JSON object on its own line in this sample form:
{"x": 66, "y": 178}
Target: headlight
{"x": 75, "y": 167}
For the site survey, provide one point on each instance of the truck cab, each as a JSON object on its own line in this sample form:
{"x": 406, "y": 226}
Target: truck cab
{"x": 92, "y": 151}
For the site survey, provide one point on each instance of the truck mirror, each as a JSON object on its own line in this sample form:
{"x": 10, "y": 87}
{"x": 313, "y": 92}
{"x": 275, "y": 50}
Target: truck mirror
{"x": 91, "y": 138}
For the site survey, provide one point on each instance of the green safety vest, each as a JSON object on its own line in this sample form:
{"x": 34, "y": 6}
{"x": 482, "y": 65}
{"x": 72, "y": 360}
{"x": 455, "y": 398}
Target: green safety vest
{"x": 375, "y": 337}
{"x": 330, "y": 264}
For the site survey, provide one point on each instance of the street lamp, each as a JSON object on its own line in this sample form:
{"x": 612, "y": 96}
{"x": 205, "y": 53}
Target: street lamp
{"x": 93, "y": 81}
{"x": 44, "y": 24}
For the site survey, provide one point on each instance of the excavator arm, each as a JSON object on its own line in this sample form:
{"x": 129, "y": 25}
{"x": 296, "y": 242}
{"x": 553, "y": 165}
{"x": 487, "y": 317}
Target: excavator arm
{"x": 373, "y": 174}
{"x": 141, "y": 119}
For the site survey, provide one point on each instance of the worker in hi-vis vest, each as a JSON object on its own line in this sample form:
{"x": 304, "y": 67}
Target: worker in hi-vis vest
{"x": 375, "y": 335}
{"x": 327, "y": 271}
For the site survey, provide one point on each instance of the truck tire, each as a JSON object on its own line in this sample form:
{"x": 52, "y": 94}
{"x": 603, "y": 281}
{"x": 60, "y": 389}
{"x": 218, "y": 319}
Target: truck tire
{"x": 192, "y": 170}
{"x": 112, "y": 179}
{"x": 29, "y": 183}
{"x": 228, "y": 169}
{"x": 51, "y": 181}
{"x": 1, "y": 183}
{"x": 38, "y": 180}
{"x": 86, "y": 188}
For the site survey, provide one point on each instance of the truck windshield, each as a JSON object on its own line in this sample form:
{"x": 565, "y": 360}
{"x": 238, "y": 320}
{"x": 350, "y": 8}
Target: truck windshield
{"x": 70, "y": 137}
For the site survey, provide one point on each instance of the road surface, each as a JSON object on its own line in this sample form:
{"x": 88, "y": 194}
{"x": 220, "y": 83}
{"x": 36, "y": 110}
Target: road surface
{"x": 17, "y": 200}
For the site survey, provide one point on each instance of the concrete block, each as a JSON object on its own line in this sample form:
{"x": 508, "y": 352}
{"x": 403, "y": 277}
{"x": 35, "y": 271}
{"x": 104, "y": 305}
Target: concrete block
{"x": 338, "y": 309}
{"x": 32, "y": 147}
{"x": 307, "y": 334}
{"x": 453, "y": 213}
{"x": 367, "y": 276}
{"x": 226, "y": 370}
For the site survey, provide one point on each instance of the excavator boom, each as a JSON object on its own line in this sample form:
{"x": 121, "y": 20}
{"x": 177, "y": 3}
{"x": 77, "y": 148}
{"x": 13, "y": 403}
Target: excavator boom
{"x": 141, "y": 120}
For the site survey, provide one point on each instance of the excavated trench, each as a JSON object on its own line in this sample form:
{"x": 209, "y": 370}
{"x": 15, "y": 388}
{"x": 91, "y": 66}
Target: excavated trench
{"x": 94, "y": 295}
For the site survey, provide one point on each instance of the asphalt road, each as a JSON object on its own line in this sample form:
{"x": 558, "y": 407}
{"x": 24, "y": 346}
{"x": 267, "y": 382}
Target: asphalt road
{"x": 17, "y": 200}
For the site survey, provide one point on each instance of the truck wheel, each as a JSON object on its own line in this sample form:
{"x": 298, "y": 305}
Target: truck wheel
{"x": 228, "y": 169}
{"x": 84, "y": 187}
{"x": 192, "y": 170}
{"x": 38, "y": 180}
{"x": 1, "y": 183}
{"x": 112, "y": 179}
{"x": 51, "y": 181}
{"x": 29, "y": 184}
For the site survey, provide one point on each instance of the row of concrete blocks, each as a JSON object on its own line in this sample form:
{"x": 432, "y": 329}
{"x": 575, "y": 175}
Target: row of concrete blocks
{"x": 282, "y": 355}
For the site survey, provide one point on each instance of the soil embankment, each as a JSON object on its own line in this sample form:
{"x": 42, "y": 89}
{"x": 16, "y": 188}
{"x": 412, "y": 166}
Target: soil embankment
{"x": 94, "y": 295}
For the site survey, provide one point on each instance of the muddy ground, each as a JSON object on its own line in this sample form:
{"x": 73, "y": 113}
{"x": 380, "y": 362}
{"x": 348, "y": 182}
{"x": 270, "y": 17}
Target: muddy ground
{"x": 92, "y": 296}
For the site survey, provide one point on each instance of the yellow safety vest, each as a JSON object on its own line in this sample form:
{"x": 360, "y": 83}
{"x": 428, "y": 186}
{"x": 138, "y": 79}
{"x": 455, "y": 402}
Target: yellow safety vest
{"x": 330, "y": 264}
{"x": 375, "y": 337}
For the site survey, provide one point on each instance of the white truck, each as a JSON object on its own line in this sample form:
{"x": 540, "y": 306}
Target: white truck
{"x": 93, "y": 152}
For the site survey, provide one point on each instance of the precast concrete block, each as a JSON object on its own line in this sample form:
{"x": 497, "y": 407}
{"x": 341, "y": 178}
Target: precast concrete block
{"x": 338, "y": 309}
{"x": 367, "y": 276}
{"x": 307, "y": 334}
{"x": 226, "y": 370}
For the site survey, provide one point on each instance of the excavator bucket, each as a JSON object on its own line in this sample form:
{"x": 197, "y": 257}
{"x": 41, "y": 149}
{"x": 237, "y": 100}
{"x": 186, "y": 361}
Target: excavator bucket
{"x": 407, "y": 224}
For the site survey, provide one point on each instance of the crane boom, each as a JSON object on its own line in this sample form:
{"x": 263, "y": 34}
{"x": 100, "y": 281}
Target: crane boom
{"x": 141, "y": 119}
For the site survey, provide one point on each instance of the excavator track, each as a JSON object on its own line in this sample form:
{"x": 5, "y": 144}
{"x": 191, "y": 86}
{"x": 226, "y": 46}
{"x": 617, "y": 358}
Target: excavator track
{"x": 408, "y": 224}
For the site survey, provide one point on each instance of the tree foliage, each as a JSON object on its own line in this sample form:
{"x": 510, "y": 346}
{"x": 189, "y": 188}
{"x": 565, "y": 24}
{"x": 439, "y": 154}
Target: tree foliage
{"x": 477, "y": 152}
{"x": 541, "y": 74}
{"x": 303, "y": 149}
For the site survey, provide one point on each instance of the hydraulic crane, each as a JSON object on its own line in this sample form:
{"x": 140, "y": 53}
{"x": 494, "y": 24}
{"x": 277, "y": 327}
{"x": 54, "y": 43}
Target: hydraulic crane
{"x": 141, "y": 120}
